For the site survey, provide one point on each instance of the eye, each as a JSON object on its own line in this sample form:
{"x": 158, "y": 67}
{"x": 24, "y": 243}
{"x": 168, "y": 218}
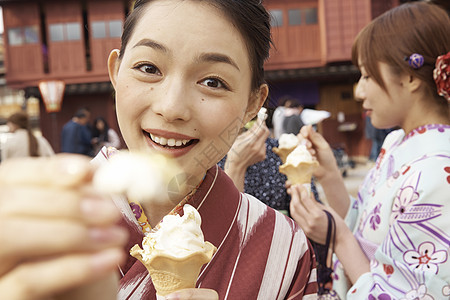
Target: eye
{"x": 215, "y": 83}
{"x": 148, "y": 69}
{"x": 365, "y": 77}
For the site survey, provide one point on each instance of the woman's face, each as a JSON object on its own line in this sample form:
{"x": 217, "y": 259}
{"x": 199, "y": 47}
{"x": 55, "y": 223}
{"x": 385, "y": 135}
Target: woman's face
{"x": 183, "y": 84}
{"x": 386, "y": 108}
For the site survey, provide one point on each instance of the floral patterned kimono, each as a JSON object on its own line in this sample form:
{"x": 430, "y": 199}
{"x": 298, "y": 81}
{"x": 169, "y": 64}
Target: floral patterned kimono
{"x": 401, "y": 219}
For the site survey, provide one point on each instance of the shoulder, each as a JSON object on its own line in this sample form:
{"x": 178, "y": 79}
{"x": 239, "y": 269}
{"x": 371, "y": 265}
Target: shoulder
{"x": 269, "y": 216}
{"x": 395, "y": 137}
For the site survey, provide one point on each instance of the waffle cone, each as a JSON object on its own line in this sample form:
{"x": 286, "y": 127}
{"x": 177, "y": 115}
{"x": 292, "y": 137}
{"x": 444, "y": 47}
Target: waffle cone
{"x": 170, "y": 273}
{"x": 300, "y": 173}
{"x": 282, "y": 152}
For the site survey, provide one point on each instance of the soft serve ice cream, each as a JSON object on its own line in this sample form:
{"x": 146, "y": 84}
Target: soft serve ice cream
{"x": 299, "y": 166}
{"x": 177, "y": 236}
{"x": 298, "y": 155}
{"x": 288, "y": 141}
{"x": 286, "y": 144}
{"x": 175, "y": 252}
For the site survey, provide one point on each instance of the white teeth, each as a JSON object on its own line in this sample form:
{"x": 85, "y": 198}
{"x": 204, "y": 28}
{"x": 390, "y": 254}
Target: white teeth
{"x": 168, "y": 142}
{"x": 163, "y": 141}
{"x": 171, "y": 142}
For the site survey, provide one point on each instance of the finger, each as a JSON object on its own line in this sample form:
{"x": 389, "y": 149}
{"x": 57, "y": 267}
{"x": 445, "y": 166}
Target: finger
{"x": 297, "y": 210}
{"x": 62, "y": 170}
{"x": 102, "y": 289}
{"x": 301, "y": 194}
{"x": 42, "y": 279}
{"x": 288, "y": 185}
{"x": 42, "y": 237}
{"x": 305, "y": 131}
{"x": 193, "y": 294}
{"x": 317, "y": 139}
{"x": 34, "y": 202}
{"x": 307, "y": 199}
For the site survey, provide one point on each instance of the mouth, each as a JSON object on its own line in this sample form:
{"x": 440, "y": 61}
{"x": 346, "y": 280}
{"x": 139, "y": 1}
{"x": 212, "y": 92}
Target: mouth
{"x": 367, "y": 111}
{"x": 170, "y": 143}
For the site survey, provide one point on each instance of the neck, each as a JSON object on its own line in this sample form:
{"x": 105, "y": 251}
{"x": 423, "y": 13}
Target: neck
{"x": 155, "y": 212}
{"x": 427, "y": 112}
{"x": 156, "y": 209}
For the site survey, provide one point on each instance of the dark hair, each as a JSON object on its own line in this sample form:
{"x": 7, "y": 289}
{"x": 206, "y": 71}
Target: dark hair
{"x": 286, "y": 100}
{"x": 249, "y": 16}
{"x": 414, "y": 27}
{"x": 21, "y": 120}
{"x": 101, "y": 135}
{"x": 82, "y": 112}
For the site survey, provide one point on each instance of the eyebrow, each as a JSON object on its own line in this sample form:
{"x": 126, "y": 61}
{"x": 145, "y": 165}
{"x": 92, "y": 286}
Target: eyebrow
{"x": 217, "y": 57}
{"x": 205, "y": 57}
{"x": 152, "y": 44}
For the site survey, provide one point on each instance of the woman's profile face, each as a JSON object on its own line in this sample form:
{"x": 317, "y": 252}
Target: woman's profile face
{"x": 183, "y": 84}
{"x": 386, "y": 108}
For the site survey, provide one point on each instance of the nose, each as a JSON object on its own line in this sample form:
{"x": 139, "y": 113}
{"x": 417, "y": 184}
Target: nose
{"x": 359, "y": 92}
{"x": 173, "y": 102}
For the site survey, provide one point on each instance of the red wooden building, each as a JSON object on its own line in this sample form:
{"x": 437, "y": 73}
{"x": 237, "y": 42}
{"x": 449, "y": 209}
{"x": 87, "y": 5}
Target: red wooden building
{"x": 70, "y": 40}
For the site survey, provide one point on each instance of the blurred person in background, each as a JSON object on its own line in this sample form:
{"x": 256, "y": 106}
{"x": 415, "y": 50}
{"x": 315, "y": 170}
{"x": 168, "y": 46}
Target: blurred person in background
{"x": 292, "y": 122}
{"x": 76, "y": 135}
{"x": 22, "y": 142}
{"x": 377, "y": 137}
{"x": 278, "y": 116}
{"x": 103, "y": 135}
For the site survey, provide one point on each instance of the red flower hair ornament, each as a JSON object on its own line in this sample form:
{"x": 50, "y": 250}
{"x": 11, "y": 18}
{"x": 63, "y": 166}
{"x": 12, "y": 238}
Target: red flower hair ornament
{"x": 441, "y": 75}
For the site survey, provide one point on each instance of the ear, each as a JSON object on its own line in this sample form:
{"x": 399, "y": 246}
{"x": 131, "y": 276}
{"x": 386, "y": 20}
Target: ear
{"x": 412, "y": 83}
{"x": 113, "y": 66}
{"x": 255, "y": 103}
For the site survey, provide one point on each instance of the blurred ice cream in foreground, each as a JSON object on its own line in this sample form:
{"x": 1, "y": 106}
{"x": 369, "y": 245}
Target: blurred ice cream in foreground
{"x": 175, "y": 252}
{"x": 142, "y": 177}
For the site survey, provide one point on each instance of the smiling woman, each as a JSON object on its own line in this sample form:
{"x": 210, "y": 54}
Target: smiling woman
{"x": 188, "y": 76}
{"x": 187, "y": 96}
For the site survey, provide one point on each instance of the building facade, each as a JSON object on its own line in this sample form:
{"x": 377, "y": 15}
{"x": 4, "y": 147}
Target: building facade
{"x": 70, "y": 40}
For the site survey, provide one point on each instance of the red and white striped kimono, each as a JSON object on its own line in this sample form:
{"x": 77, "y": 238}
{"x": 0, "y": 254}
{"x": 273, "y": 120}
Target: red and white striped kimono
{"x": 261, "y": 253}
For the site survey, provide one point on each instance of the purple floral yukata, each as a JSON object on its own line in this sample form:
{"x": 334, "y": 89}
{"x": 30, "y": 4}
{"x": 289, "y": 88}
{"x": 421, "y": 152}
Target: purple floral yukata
{"x": 401, "y": 219}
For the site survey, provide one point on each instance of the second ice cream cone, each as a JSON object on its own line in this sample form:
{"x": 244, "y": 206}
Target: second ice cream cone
{"x": 300, "y": 173}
